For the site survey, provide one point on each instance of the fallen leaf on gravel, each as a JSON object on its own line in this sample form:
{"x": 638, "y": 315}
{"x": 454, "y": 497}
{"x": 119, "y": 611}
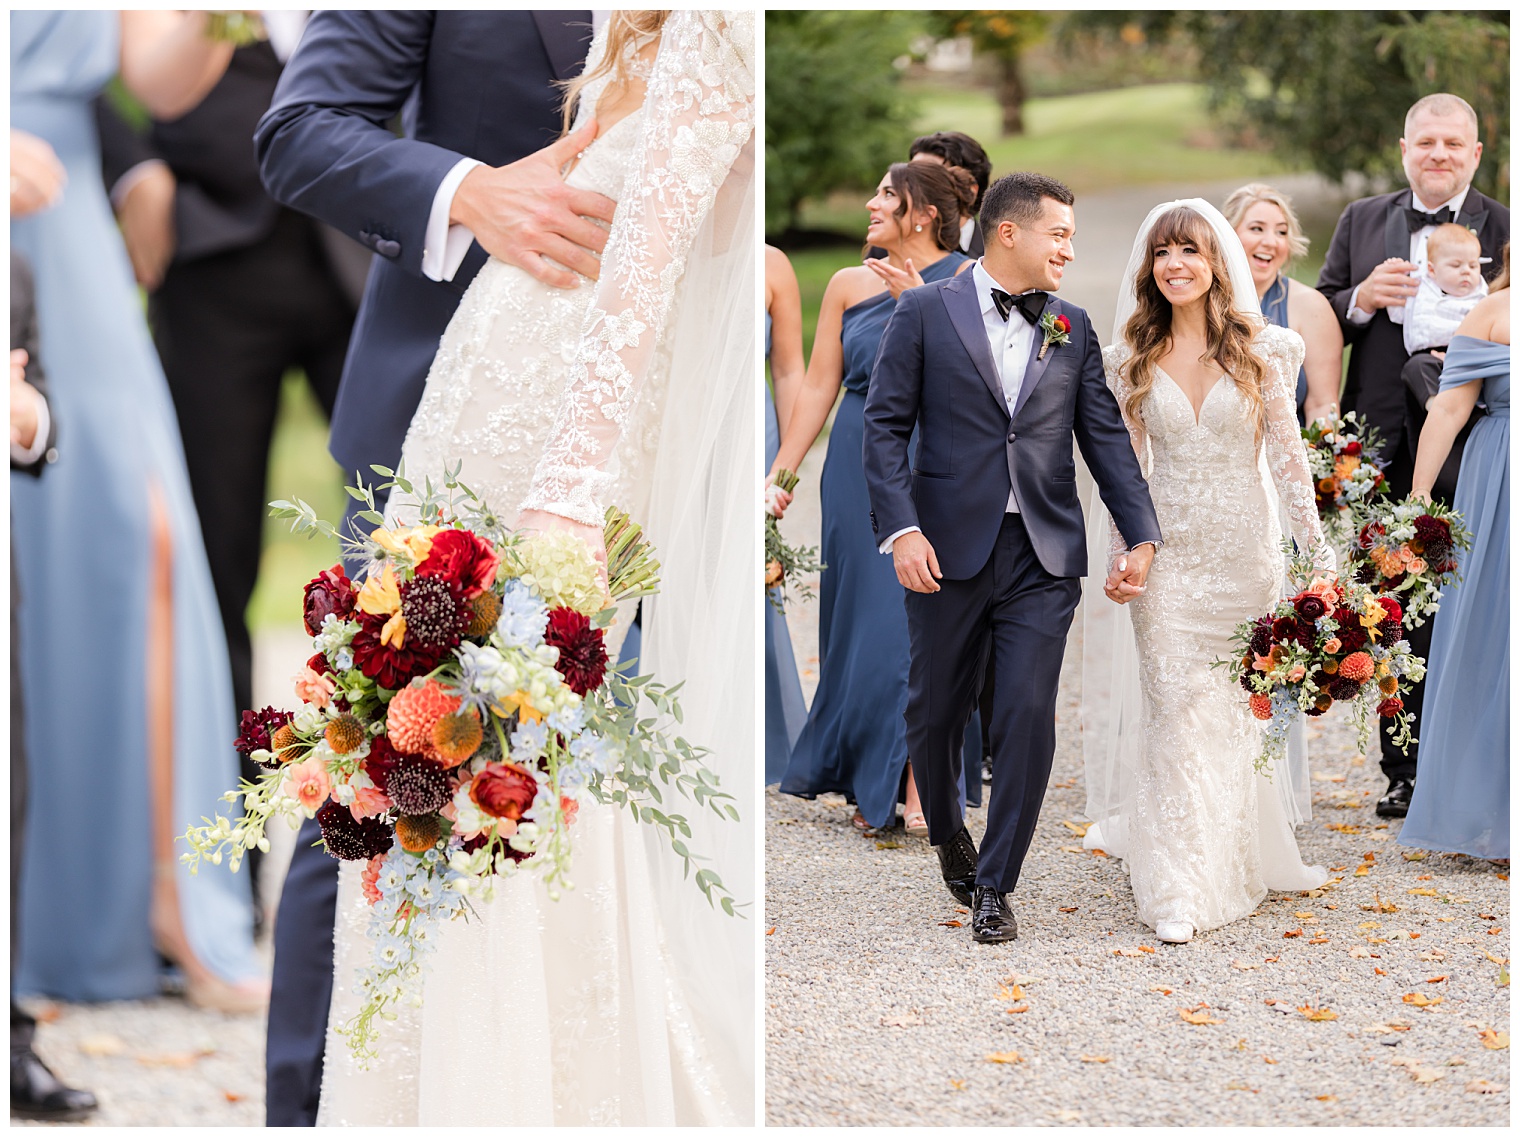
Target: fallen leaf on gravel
{"x": 1424, "y": 1075}
{"x": 1503, "y": 979}
{"x": 1378, "y": 971}
{"x": 1492, "y": 958}
{"x": 230, "y": 1096}
{"x": 1065, "y": 909}
{"x": 1160, "y": 990}
{"x": 1337, "y": 868}
{"x": 1014, "y": 993}
{"x": 1494, "y": 1039}
{"x": 1072, "y": 849}
{"x": 1094, "y": 1058}
{"x": 1420, "y": 999}
{"x": 1239, "y": 1086}
{"x": 1318, "y": 940}
{"x": 1486, "y": 916}
{"x": 1495, "y": 931}
{"x": 1434, "y": 955}
{"x": 1239, "y": 965}
{"x": 951, "y": 924}
{"x": 1368, "y": 926}
{"x": 1076, "y": 827}
{"x": 1417, "y": 855}
{"x": 772, "y": 931}
{"x": 1379, "y": 905}
{"x": 1005, "y": 1057}
{"x": 889, "y": 844}
{"x": 902, "y": 1020}
{"x": 1294, "y": 932}
{"x": 1325, "y": 1097}
{"x": 1422, "y": 892}
{"x": 1018, "y": 1010}
{"x": 1305, "y": 916}
{"x": 1401, "y": 934}
{"x": 1322, "y": 776}
{"x": 102, "y": 1045}
{"x": 1444, "y": 919}
{"x": 1362, "y": 870}
{"x": 1357, "y": 951}
{"x": 1138, "y": 950}
{"x": 963, "y": 911}
{"x": 1198, "y": 1016}
{"x": 1378, "y": 836}
{"x": 1502, "y": 875}
{"x": 1343, "y": 828}
{"x": 1318, "y": 1014}
{"x": 1479, "y": 1086}
{"x": 1436, "y": 979}
{"x": 1389, "y": 1027}
{"x": 1273, "y": 958}
{"x": 957, "y": 1084}
{"x": 1427, "y": 876}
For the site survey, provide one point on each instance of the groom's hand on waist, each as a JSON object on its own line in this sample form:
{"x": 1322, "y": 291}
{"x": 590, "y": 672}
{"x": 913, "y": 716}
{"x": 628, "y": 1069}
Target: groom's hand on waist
{"x": 917, "y": 566}
{"x": 1126, "y": 579}
{"x": 523, "y": 212}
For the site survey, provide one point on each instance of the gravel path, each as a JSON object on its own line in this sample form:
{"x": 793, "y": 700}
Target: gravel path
{"x": 881, "y": 1012}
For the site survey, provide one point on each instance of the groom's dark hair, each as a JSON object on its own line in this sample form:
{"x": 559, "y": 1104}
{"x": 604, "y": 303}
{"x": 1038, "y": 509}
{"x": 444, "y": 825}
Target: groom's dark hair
{"x": 1017, "y": 197}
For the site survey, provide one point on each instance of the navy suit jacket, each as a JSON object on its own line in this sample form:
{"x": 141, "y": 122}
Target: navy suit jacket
{"x": 935, "y": 370}
{"x": 476, "y": 84}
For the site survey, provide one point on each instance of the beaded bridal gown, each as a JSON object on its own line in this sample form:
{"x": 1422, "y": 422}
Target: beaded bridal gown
{"x": 1207, "y": 835}
{"x": 627, "y": 1000}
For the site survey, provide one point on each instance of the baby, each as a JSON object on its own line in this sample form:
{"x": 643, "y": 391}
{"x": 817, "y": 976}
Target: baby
{"x": 1452, "y": 285}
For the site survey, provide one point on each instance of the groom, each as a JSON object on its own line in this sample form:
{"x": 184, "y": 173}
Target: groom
{"x": 985, "y": 531}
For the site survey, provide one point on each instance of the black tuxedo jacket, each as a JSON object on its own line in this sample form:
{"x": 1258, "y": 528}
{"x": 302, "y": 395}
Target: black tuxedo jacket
{"x": 24, "y": 335}
{"x": 478, "y": 84}
{"x": 934, "y": 370}
{"x": 1369, "y": 232}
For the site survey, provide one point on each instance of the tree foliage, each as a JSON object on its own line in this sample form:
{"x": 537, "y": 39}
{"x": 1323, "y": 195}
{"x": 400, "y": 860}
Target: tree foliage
{"x": 1004, "y": 35}
{"x": 1331, "y": 87}
{"x": 835, "y": 113}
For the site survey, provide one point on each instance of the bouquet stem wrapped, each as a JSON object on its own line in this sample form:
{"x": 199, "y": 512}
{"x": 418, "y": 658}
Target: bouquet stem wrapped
{"x": 786, "y": 565}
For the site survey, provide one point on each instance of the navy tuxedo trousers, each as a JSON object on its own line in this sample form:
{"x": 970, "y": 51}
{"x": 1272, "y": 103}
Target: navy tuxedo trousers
{"x": 1015, "y": 616}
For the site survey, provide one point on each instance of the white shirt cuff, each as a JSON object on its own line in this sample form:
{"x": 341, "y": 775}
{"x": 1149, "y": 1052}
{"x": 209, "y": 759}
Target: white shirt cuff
{"x": 128, "y": 181}
{"x": 444, "y": 245}
{"x": 886, "y": 546}
{"x": 29, "y": 456}
{"x": 1355, "y": 314}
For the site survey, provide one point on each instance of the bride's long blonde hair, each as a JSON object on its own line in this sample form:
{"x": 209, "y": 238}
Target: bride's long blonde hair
{"x": 1149, "y": 330}
{"x": 624, "y": 26}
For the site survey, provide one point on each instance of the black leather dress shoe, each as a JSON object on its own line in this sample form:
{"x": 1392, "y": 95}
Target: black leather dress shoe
{"x": 992, "y": 920}
{"x": 957, "y": 864}
{"x": 1395, "y": 803}
{"x": 36, "y": 1095}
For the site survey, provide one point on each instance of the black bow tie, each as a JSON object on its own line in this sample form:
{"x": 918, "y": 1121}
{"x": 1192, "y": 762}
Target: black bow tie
{"x": 1031, "y": 304}
{"x": 1418, "y": 218}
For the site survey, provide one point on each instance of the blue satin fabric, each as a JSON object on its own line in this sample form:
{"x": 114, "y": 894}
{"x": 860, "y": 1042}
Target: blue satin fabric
{"x": 1274, "y": 306}
{"x": 785, "y": 708}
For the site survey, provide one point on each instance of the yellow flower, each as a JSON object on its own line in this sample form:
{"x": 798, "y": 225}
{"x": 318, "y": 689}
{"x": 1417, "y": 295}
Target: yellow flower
{"x": 1372, "y": 615}
{"x": 394, "y": 632}
{"x": 415, "y": 543}
{"x": 521, "y": 702}
{"x": 381, "y": 595}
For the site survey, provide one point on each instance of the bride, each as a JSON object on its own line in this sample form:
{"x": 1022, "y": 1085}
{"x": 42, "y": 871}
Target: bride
{"x": 1207, "y": 390}
{"x": 627, "y": 1000}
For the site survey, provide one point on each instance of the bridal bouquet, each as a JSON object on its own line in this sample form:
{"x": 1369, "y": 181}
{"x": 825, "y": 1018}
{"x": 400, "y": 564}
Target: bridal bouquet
{"x": 1409, "y": 549}
{"x": 1345, "y": 479}
{"x": 457, "y": 711}
{"x": 1335, "y": 641}
{"x": 785, "y": 565}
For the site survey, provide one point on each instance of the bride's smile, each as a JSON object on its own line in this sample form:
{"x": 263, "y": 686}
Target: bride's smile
{"x": 1182, "y": 273}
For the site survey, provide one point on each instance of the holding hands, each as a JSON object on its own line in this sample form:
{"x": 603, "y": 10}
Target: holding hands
{"x": 1126, "y": 579}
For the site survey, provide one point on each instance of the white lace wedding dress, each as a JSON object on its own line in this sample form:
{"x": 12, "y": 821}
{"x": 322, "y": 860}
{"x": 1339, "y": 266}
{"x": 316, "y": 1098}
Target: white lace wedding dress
{"x": 1205, "y": 836}
{"x": 628, "y": 1000}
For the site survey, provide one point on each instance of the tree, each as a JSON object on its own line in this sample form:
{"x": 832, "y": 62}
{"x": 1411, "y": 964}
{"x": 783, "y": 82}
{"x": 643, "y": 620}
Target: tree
{"x": 1331, "y": 87}
{"x": 1004, "y": 35}
{"x": 835, "y": 113}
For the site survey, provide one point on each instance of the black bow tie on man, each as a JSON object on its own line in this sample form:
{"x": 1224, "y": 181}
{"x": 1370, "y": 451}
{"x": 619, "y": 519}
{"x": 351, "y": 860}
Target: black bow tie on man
{"x": 1418, "y": 218}
{"x": 1030, "y": 304}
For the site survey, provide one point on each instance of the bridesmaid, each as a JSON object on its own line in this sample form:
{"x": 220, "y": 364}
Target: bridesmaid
{"x": 1263, "y": 219}
{"x": 853, "y": 742}
{"x": 1461, "y": 798}
{"x": 128, "y": 692}
{"x": 785, "y": 709}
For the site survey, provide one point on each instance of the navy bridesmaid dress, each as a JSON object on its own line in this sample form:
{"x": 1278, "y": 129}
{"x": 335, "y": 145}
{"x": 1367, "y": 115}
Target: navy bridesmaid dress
{"x": 1274, "y": 307}
{"x": 785, "y": 709}
{"x": 854, "y": 741}
{"x": 1461, "y": 796}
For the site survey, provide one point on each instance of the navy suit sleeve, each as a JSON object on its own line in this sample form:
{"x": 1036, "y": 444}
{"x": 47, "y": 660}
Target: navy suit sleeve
{"x": 324, "y": 146}
{"x": 1335, "y": 282}
{"x": 891, "y": 411}
{"x": 1107, "y": 450}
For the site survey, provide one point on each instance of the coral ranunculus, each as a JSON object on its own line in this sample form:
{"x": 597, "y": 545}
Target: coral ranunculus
{"x": 504, "y": 789}
{"x": 461, "y": 558}
{"x": 329, "y": 592}
{"x": 1390, "y": 707}
{"x": 308, "y": 782}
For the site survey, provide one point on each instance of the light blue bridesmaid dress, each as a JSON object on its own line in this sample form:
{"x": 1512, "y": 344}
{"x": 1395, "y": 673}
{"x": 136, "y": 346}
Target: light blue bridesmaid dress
{"x": 82, "y": 546}
{"x": 785, "y": 709}
{"x": 1461, "y": 792}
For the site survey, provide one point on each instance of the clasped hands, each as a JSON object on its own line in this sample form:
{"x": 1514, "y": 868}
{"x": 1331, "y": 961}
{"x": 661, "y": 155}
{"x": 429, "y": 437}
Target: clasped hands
{"x": 1126, "y": 577}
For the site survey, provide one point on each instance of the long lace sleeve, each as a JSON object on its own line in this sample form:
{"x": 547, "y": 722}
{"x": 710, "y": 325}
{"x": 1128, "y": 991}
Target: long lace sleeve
{"x": 1287, "y": 458}
{"x": 699, "y": 116}
{"x": 1114, "y": 356}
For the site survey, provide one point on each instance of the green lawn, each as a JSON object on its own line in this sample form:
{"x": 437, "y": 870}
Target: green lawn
{"x": 299, "y": 467}
{"x": 1101, "y": 140}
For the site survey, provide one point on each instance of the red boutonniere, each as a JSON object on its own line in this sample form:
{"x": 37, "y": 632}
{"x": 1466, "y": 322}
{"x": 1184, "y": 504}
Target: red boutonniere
{"x": 1057, "y": 329}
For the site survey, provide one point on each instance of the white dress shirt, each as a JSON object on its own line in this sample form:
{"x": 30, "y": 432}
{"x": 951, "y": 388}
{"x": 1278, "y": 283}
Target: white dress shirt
{"x": 968, "y": 227}
{"x": 444, "y": 245}
{"x": 1432, "y": 317}
{"x": 1417, "y": 242}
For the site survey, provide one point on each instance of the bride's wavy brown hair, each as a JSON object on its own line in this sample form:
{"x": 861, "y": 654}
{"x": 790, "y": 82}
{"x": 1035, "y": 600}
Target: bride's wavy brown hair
{"x": 623, "y": 27}
{"x": 1230, "y": 331}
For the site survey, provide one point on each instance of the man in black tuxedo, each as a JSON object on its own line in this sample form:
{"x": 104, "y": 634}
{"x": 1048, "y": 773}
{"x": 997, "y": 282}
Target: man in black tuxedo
{"x": 1373, "y": 266}
{"x": 476, "y": 172}
{"x": 240, "y": 289}
{"x": 36, "y": 1093}
{"x": 986, "y": 533}
{"x": 952, "y": 148}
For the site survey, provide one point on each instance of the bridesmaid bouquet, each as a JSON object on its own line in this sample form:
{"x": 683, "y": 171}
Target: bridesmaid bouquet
{"x": 1335, "y": 641}
{"x": 1409, "y": 549}
{"x": 784, "y": 564}
{"x": 1345, "y": 479}
{"x": 457, "y": 711}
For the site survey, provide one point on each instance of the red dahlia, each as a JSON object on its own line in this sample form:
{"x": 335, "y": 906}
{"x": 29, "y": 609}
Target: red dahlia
{"x": 329, "y": 591}
{"x": 257, "y": 729}
{"x": 582, "y": 652}
{"x": 392, "y": 668}
{"x": 382, "y": 759}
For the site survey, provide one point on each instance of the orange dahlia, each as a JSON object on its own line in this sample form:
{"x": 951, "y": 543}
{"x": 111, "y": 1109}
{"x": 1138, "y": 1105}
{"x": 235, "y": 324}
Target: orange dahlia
{"x": 1261, "y": 706}
{"x": 1357, "y": 666}
{"x": 413, "y": 713}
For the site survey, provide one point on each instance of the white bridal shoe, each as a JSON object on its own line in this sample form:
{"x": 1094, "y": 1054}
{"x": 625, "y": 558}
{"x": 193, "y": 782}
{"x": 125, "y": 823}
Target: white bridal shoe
{"x": 1174, "y": 931}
